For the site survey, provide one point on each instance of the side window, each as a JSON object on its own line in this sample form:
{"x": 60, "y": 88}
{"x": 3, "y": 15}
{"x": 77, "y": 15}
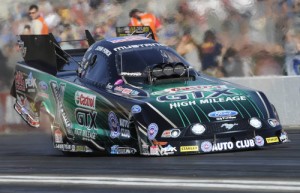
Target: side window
{"x": 97, "y": 69}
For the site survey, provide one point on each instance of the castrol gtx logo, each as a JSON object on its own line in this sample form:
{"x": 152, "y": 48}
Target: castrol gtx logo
{"x": 223, "y": 113}
{"x": 85, "y": 100}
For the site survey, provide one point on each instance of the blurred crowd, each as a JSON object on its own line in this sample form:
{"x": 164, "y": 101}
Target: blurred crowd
{"x": 222, "y": 38}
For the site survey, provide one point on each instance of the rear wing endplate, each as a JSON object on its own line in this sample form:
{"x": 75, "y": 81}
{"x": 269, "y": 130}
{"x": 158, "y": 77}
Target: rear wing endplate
{"x": 43, "y": 52}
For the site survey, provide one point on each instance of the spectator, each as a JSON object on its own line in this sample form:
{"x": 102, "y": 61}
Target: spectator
{"x": 26, "y": 30}
{"x": 38, "y": 25}
{"x": 232, "y": 63}
{"x": 187, "y": 47}
{"x": 266, "y": 65}
{"x": 140, "y": 18}
{"x": 292, "y": 49}
{"x": 211, "y": 54}
{"x": 6, "y": 72}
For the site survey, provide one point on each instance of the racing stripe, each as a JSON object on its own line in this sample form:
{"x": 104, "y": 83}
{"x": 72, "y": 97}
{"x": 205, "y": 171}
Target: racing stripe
{"x": 268, "y": 113}
{"x": 213, "y": 107}
{"x": 180, "y": 117}
{"x": 203, "y": 112}
{"x": 238, "y": 110}
{"x": 220, "y": 106}
{"x": 124, "y": 110}
{"x": 185, "y": 115}
{"x": 244, "y": 108}
{"x": 141, "y": 127}
{"x": 196, "y": 114}
{"x": 254, "y": 105}
{"x": 163, "y": 116}
{"x": 106, "y": 101}
{"x": 255, "y": 108}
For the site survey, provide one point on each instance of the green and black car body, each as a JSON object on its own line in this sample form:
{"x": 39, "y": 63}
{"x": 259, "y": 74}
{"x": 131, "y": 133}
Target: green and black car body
{"x": 133, "y": 95}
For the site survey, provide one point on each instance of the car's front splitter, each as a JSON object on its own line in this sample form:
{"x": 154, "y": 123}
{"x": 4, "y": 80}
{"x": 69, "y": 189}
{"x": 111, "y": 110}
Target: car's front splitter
{"x": 219, "y": 143}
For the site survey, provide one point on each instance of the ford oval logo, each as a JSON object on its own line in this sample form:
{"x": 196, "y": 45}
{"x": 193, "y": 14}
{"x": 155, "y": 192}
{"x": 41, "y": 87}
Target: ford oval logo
{"x": 136, "y": 109}
{"x": 223, "y": 113}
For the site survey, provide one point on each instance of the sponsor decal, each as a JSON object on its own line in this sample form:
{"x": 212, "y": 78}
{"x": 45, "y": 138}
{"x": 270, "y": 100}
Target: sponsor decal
{"x": 154, "y": 150}
{"x": 245, "y": 143}
{"x": 81, "y": 148}
{"x": 44, "y": 95}
{"x": 159, "y": 142}
{"x": 85, "y": 100}
{"x": 43, "y": 86}
{"x": 103, "y": 50}
{"x": 109, "y": 86}
{"x": 273, "y": 122}
{"x": 173, "y": 133}
{"x": 126, "y": 91}
{"x": 113, "y": 125}
{"x": 241, "y": 144}
{"x": 168, "y": 150}
{"x": 206, "y": 146}
{"x": 272, "y": 139}
{"x": 152, "y": 131}
{"x": 189, "y": 99}
{"x": 58, "y": 93}
{"x": 136, "y": 109}
{"x": 223, "y": 99}
{"x": 86, "y": 118}
{"x": 216, "y": 94}
{"x": 124, "y": 123}
{"x": 223, "y": 146}
{"x": 126, "y": 39}
{"x": 63, "y": 147}
{"x": 145, "y": 149}
{"x": 283, "y": 137}
{"x": 78, "y": 148}
{"x": 58, "y": 136}
{"x": 20, "y": 81}
{"x": 85, "y": 134}
{"x": 136, "y": 46}
{"x": 116, "y": 149}
{"x": 125, "y": 133}
{"x": 259, "y": 141}
{"x": 166, "y": 134}
{"x": 30, "y": 83}
{"x": 203, "y": 88}
{"x": 229, "y": 126}
{"x": 182, "y": 104}
{"x": 189, "y": 148}
{"x": 223, "y": 113}
{"x": 131, "y": 74}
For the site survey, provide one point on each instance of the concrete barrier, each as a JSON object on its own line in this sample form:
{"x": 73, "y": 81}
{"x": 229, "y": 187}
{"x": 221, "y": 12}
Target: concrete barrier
{"x": 283, "y": 92}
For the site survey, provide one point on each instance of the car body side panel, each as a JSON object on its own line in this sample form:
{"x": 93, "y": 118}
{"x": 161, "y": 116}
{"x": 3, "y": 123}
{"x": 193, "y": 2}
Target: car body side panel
{"x": 83, "y": 115}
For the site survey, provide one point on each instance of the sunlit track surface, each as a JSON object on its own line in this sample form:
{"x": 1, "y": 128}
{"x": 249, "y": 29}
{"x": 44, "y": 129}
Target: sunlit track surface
{"x": 28, "y": 163}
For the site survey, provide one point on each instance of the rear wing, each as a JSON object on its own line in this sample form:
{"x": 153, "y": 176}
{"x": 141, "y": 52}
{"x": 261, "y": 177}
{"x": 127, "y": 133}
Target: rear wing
{"x": 135, "y": 30}
{"x": 43, "y": 52}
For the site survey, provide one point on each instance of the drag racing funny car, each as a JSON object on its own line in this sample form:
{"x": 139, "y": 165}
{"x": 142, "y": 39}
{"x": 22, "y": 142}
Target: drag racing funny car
{"x": 133, "y": 95}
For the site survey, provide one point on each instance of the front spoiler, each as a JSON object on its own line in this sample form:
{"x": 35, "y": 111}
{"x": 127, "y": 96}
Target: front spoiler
{"x": 219, "y": 143}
